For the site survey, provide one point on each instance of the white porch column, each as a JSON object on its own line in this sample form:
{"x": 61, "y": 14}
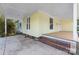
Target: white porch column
{"x": 75, "y": 39}
{"x": 5, "y": 36}
{"x": 5, "y": 26}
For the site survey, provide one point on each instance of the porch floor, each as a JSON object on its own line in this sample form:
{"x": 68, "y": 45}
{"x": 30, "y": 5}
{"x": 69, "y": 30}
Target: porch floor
{"x": 18, "y": 45}
{"x": 62, "y": 34}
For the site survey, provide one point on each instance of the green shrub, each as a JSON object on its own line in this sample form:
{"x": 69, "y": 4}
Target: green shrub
{"x": 2, "y": 26}
{"x": 11, "y": 28}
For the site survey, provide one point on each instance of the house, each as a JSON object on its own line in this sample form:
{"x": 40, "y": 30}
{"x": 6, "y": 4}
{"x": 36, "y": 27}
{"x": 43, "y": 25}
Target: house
{"x": 52, "y": 24}
{"x": 41, "y": 23}
{"x": 50, "y": 30}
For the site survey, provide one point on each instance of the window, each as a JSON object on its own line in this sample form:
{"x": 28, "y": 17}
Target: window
{"x": 19, "y": 25}
{"x": 28, "y": 23}
{"x": 51, "y": 23}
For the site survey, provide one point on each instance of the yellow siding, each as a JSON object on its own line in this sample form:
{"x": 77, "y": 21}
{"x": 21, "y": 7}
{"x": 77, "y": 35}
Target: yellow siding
{"x": 33, "y": 25}
{"x": 39, "y": 24}
{"x": 67, "y": 25}
{"x": 45, "y": 24}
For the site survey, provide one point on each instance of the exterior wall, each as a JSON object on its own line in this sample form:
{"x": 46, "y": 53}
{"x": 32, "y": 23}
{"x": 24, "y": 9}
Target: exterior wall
{"x": 45, "y": 24}
{"x": 34, "y": 25}
{"x": 40, "y": 24}
{"x": 67, "y": 25}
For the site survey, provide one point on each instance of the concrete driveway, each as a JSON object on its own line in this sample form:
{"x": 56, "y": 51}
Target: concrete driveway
{"x": 18, "y": 45}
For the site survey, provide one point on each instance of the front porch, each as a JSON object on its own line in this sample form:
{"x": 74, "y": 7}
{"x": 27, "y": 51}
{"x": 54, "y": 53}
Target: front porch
{"x": 61, "y": 40}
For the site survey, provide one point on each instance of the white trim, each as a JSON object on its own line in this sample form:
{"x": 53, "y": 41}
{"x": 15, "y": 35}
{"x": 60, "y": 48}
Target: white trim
{"x": 5, "y": 27}
{"x": 7, "y": 17}
{"x": 75, "y": 22}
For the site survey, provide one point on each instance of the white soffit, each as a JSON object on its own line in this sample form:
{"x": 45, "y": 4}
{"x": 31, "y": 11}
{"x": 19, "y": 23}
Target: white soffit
{"x": 18, "y": 10}
{"x": 78, "y": 10}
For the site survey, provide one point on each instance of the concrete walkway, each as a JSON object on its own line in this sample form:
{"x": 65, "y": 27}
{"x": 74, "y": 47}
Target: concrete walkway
{"x": 77, "y": 52}
{"x": 2, "y": 42}
{"x": 18, "y": 45}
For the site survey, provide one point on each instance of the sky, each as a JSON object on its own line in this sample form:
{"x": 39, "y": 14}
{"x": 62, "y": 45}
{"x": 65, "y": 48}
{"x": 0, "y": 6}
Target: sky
{"x": 18, "y": 10}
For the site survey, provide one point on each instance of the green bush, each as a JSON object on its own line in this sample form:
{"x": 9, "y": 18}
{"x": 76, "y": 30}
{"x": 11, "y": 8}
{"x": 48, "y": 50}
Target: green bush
{"x": 77, "y": 21}
{"x": 2, "y": 26}
{"x": 11, "y": 28}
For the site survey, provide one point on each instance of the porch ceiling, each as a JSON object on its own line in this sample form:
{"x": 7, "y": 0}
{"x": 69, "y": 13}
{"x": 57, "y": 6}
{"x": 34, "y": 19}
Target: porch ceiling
{"x": 13, "y": 10}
